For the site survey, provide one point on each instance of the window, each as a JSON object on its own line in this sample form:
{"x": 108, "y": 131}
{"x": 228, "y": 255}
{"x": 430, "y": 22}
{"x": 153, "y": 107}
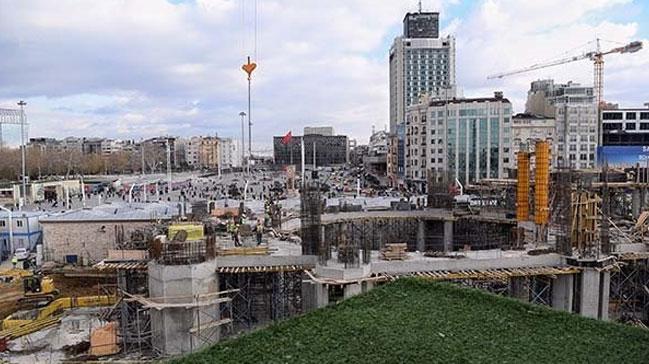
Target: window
{"x": 644, "y": 116}
{"x": 630, "y": 116}
{"x": 612, "y": 126}
{"x": 19, "y": 223}
{"x": 439, "y": 160}
{"x": 612, "y": 116}
{"x": 629, "y": 126}
{"x": 2, "y": 223}
{"x": 644, "y": 126}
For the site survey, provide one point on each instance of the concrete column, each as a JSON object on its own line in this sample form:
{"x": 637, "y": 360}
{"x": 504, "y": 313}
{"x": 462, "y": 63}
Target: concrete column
{"x": 604, "y": 290}
{"x": 635, "y": 203}
{"x": 314, "y": 295}
{"x": 518, "y": 288}
{"x": 448, "y": 236}
{"x": 421, "y": 236}
{"x": 367, "y": 286}
{"x": 590, "y": 293}
{"x": 351, "y": 290}
{"x": 562, "y": 292}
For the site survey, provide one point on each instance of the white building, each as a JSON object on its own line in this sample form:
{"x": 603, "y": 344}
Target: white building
{"x": 229, "y": 153}
{"x": 25, "y": 231}
{"x": 528, "y": 128}
{"x": 420, "y": 62}
{"x": 468, "y": 138}
{"x": 575, "y": 112}
{"x": 191, "y": 147}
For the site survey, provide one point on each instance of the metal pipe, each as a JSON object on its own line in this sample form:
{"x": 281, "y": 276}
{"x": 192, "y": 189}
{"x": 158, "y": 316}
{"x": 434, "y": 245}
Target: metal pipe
{"x": 249, "y": 127}
{"x": 243, "y": 141}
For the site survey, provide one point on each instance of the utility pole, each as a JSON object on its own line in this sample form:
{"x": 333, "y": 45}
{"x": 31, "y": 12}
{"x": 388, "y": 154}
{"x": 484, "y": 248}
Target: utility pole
{"x": 142, "y": 154}
{"x": 243, "y": 141}
{"x": 168, "y": 163}
{"x": 248, "y": 68}
{"x": 22, "y": 104}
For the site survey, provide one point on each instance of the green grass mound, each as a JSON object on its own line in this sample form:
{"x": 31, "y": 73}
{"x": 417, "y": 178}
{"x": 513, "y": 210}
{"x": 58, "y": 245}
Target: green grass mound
{"x": 413, "y": 321}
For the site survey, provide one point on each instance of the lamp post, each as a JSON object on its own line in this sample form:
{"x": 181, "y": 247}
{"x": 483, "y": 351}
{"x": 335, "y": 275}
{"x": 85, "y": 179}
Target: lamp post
{"x": 22, "y": 104}
{"x": 243, "y": 142}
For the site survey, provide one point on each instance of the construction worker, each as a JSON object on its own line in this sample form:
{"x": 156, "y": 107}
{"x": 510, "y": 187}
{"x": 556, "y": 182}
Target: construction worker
{"x": 259, "y": 230}
{"x": 14, "y": 261}
{"x": 233, "y": 228}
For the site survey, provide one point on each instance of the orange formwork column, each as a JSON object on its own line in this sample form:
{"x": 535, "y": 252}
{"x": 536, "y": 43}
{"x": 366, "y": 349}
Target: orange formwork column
{"x": 542, "y": 183}
{"x": 523, "y": 186}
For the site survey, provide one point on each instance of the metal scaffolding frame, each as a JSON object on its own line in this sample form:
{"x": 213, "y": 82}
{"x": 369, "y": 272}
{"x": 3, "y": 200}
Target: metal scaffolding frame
{"x": 263, "y": 297}
{"x": 134, "y": 319}
{"x": 629, "y": 293}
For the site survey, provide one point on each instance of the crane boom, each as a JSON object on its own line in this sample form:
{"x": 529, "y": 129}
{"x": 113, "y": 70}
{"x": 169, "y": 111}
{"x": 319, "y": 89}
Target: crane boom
{"x": 629, "y": 48}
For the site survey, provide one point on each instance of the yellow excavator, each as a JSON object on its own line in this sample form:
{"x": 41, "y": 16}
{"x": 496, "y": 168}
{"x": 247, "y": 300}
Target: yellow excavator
{"x": 27, "y": 288}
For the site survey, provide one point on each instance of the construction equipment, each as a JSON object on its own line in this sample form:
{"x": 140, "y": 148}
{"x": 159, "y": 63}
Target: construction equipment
{"x": 597, "y": 56}
{"x": 36, "y": 289}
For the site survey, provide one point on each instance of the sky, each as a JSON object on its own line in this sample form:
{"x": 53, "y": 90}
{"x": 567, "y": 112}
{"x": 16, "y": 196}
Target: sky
{"x": 128, "y": 69}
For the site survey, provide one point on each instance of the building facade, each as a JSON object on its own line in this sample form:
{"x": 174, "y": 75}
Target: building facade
{"x": 470, "y": 139}
{"x": 574, "y": 110}
{"x": 625, "y": 126}
{"x": 208, "y": 152}
{"x": 229, "y": 153}
{"x": 329, "y": 150}
{"x": 528, "y": 128}
{"x": 420, "y": 63}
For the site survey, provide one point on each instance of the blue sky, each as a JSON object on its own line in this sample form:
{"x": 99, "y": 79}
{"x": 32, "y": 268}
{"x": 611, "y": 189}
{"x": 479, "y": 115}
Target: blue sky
{"x": 139, "y": 68}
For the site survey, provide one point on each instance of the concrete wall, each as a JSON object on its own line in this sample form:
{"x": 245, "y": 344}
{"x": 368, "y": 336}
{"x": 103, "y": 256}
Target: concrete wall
{"x": 171, "y": 327}
{"x": 90, "y": 241}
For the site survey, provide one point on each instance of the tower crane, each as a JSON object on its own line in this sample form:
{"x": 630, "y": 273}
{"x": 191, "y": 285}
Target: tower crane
{"x": 597, "y": 56}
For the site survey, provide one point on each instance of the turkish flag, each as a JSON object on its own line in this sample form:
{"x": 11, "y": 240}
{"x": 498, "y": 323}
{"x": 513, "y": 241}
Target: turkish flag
{"x": 287, "y": 138}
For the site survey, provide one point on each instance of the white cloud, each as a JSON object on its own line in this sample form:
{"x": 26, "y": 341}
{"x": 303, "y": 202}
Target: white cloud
{"x": 86, "y": 68}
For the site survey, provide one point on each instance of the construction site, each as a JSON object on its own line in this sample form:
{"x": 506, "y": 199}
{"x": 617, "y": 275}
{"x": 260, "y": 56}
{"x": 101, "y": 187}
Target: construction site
{"x": 571, "y": 240}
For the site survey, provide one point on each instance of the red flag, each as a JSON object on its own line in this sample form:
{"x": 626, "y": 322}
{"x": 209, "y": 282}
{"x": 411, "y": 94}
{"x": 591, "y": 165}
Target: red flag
{"x": 287, "y": 138}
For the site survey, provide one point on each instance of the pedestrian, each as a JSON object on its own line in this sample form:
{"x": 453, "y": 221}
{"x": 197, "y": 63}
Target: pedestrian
{"x": 259, "y": 229}
{"x": 14, "y": 261}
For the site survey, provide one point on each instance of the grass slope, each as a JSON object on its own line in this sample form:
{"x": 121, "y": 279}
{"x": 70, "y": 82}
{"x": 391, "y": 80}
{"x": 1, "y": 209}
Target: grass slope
{"x": 412, "y": 321}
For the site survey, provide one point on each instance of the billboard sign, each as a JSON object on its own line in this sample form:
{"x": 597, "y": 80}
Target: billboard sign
{"x": 623, "y": 156}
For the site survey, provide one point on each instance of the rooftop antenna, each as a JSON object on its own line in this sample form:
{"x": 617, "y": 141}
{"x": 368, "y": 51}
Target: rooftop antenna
{"x": 420, "y": 6}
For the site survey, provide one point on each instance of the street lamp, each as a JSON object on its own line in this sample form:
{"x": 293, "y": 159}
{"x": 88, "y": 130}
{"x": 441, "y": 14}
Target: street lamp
{"x": 243, "y": 143}
{"x": 22, "y": 104}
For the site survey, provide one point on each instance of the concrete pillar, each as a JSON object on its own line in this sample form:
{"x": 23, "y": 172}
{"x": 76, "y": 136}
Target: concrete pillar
{"x": 448, "y": 236}
{"x": 604, "y": 290}
{"x": 519, "y": 289}
{"x": 421, "y": 236}
{"x": 314, "y": 295}
{"x": 562, "y": 292}
{"x": 590, "y": 293}
{"x": 367, "y": 286}
{"x": 351, "y": 290}
{"x": 178, "y": 330}
{"x": 635, "y": 203}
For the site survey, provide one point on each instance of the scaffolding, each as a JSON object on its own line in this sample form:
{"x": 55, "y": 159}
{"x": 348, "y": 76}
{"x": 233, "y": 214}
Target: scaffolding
{"x": 263, "y": 297}
{"x": 134, "y": 319}
{"x": 629, "y": 293}
{"x": 523, "y": 187}
{"x": 311, "y": 206}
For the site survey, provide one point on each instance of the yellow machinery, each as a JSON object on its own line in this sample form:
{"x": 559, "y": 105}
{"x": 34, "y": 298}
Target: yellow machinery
{"x": 29, "y": 287}
{"x": 542, "y": 183}
{"x": 38, "y": 289}
{"x": 523, "y": 187}
{"x": 194, "y": 231}
{"x": 25, "y": 323}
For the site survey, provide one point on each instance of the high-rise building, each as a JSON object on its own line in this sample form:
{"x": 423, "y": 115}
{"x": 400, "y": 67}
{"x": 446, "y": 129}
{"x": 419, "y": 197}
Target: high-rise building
{"x": 466, "y": 139}
{"x": 420, "y": 62}
{"x": 574, "y": 110}
{"x": 421, "y": 25}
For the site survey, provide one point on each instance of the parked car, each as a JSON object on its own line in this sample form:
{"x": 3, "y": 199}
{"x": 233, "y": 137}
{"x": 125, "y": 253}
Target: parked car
{"x": 21, "y": 254}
